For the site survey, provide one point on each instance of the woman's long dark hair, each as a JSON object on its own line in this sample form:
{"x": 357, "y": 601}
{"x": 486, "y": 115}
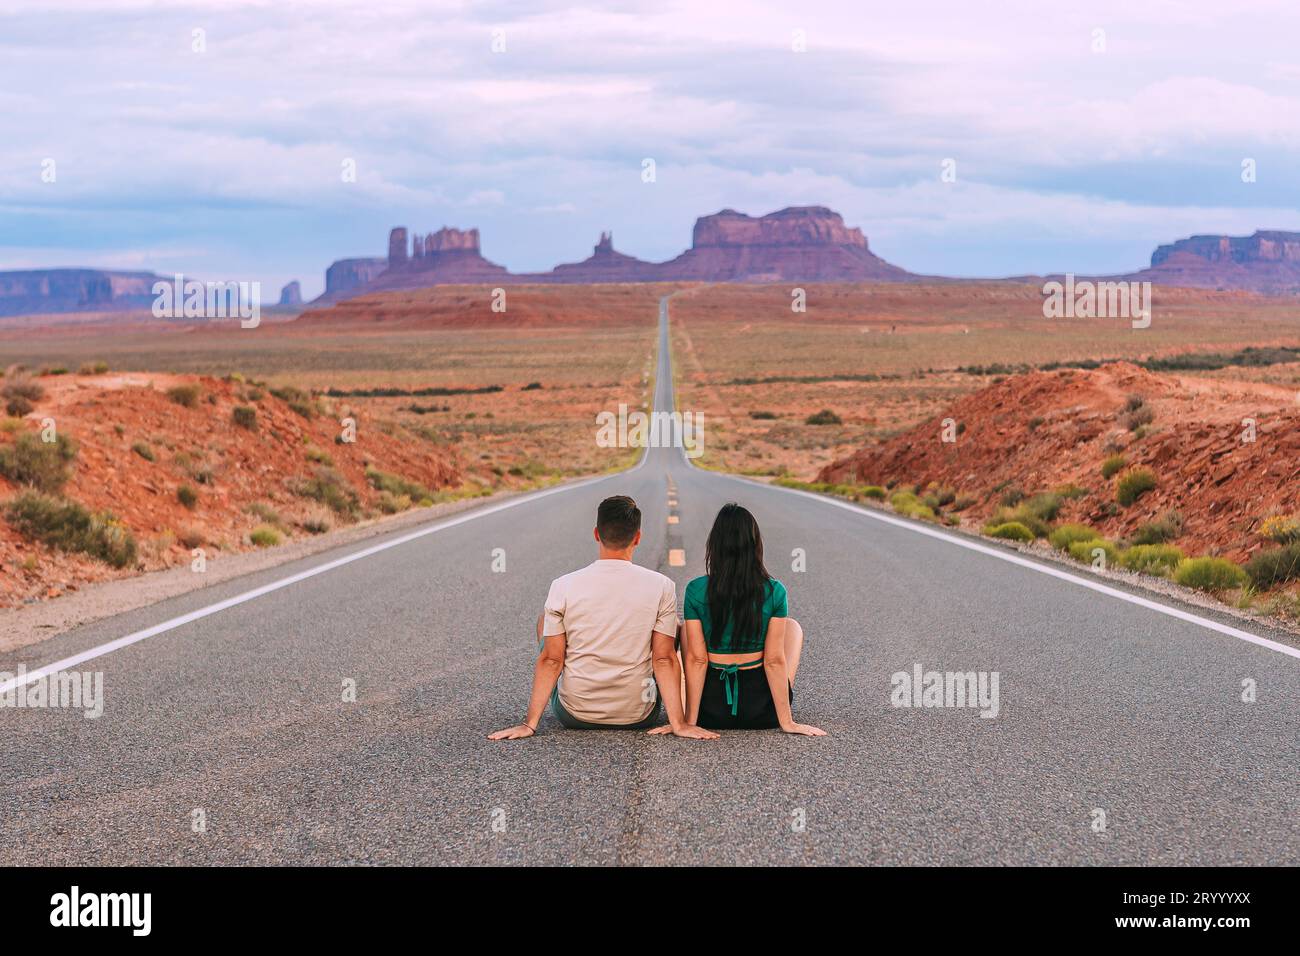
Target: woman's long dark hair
{"x": 738, "y": 581}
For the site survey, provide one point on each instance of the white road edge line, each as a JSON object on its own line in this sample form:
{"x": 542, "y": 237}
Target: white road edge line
{"x": 1014, "y": 558}
{"x": 175, "y": 622}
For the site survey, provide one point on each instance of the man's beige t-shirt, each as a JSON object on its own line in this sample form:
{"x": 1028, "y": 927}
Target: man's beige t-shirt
{"x": 607, "y": 611}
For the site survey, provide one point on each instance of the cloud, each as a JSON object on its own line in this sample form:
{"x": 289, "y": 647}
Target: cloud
{"x": 238, "y": 150}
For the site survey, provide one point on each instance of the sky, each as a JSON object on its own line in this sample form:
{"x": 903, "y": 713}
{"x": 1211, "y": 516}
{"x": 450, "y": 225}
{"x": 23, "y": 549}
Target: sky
{"x": 213, "y": 138}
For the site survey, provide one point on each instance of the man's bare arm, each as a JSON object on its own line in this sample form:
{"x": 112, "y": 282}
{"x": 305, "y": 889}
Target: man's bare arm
{"x": 546, "y": 673}
{"x": 663, "y": 652}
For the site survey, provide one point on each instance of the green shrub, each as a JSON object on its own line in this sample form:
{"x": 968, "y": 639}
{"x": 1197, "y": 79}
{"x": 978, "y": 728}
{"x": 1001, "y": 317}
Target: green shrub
{"x": 143, "y": 450}
{"x": 396, "y": 485}
{"x": 1159, "y": 559}
{"x": 1067, "y": 534}
{"x": 1269, "y": 568}
{"x": 1161, "y": 530}
{"x": 245, "y": 416}
{"x": 93, "y": 368}
{"x": 1281, "y": 528}
{"x": 824, "y": 417}
{"x": 331, "y": 489}
{"x": 763, "y": 416}
{"x": 1010, "y": 530}
{"x": 1044, "y": 506}
{"x": 45, "y": 466}
{"x": 68, "y": 526}
{"x": 1210, "y": 574}
{"x": 1134, "y": 485}
{"x": 187, "y": 496}
{"x": 874, "y": 492}
{"x": 187, "y": 395}
{"x": 1083, "y": 550}
{"x": 962, "y": 502}
{"x": 264, "y": 536}
{"x": 1113, "y": 466}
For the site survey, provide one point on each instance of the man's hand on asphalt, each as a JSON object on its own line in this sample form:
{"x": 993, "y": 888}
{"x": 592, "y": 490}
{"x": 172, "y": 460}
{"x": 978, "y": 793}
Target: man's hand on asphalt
{"x": 518, "y": 732}
{"x": 685, "y": 730}
{"x": 808, "y": 730}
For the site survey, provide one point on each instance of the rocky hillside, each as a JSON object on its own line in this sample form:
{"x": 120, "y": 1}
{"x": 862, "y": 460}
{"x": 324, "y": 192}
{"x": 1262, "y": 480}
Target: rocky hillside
{"x": 144, "y": 468}
{"x": 1083, "y": 431}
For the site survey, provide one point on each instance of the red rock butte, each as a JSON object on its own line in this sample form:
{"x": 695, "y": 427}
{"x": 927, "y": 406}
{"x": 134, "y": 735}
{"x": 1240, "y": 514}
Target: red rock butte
{"x": 798, "y": 244}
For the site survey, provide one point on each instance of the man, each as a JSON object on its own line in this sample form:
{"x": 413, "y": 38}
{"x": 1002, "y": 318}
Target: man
{"x": 608, "y": 637}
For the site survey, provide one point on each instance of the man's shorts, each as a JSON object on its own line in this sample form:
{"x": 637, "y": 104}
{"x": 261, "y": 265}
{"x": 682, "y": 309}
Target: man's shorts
{"x": 573, "y": 723}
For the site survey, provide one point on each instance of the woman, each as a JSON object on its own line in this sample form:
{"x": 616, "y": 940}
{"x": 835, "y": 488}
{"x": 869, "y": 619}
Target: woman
{"x": 741, "y": 649}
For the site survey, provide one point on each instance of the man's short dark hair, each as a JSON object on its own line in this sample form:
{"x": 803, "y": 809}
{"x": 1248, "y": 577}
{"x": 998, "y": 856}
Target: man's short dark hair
{"x": 618, "y": 519}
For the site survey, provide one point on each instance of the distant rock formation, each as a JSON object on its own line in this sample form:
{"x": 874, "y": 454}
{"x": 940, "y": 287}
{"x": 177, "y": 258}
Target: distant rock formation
{"x": 347, "y": 275}
{"x": 797, "y": 244}
{"x": 49, "y": 291}
{"x": 1267, "y": 262}
{"x": 605, "y": 264}
{"x": 291, "y": 294}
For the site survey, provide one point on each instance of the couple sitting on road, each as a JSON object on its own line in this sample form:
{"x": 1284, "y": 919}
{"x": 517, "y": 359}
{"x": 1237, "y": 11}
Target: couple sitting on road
{"x": 610, "y": 639}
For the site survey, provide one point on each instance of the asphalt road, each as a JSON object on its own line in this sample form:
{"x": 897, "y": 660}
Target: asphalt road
{"x": 1104, "y": 706}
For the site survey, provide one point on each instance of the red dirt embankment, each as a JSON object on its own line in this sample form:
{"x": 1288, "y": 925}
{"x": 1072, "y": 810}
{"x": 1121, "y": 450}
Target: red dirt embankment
{"x": 113, "y": 418}
{"x": 1040, "y": 431}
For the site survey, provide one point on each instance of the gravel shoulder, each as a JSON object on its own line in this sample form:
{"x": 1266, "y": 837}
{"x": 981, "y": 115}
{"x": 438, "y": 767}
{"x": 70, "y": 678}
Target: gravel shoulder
{"x": 33, "y": 623}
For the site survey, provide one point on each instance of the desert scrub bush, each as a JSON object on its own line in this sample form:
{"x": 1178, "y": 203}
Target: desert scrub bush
{"x": 1023, "y": 516}
{"x": 1071, "y": 491}
{"x": 1165, "y": 528}
{"x": 1137, "y": 413}
{"x": 1012, "y": 495}
{"x": 21, "y": 393}
{"x": 187, "y": 496}
{"x": 1009, "y": 531}
{"x": 68, "y": 526}
{"x": 316, "y": 523}
{"x": 1085, "y": 551}
{"x": 1133, "y": 485}
{"x": 1282, "y": 529}
{"x": 142, "y": 449}
{"x": 245, "y": 416}
{"x": 1112, "y": 466}
{"x": 1159, "y": 559}
{"x": 1277, "y": 566}
{"x": 1044, "y": 506}
{"x": 264, "y": 536}
{"x": 9, "y": 425}
{"x": 763, "y": 416}
{"x": 962, "y": 502}
{"x": 93, "y": 368}
{"x": 331, "y": 489}
{"x": 391, "y": 504}
{"x": 186, "y": 395}
{"x": 1210, "y": 574}
{"x": 191, "y": 536}
{"x": 874, "y": 492}
{"x": 824, "y": 417}
{"x": 265, "y": 512}
{"x": 299, "y": 402}
{"x": 397, "y": 485}
{"x": 938, "y": 496}
{"x": 45, "y": 466}
{"x": 318, "y": 455}
{"x": 1067, "y": 534}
